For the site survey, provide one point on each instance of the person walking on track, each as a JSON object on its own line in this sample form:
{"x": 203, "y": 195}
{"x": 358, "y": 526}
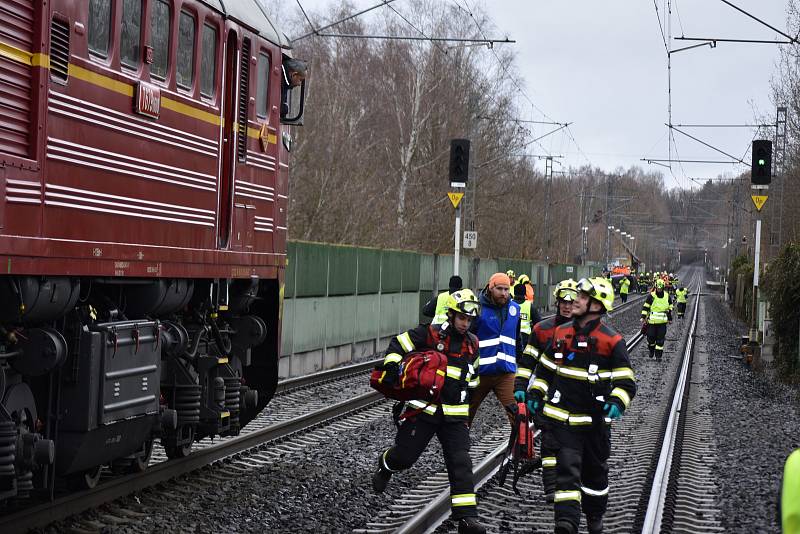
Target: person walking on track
{"x": 447, "y": 419}
{"x": 624, "y": 288}
{"x": 540, "y": 341}
{"x": 657, "y": 313}
{"x": 498, "y": 329}
{"x": 680, "y": 299}
{"x": 583, "y": 382}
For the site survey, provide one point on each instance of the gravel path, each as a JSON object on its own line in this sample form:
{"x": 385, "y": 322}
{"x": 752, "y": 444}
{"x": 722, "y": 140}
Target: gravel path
{"x": 756, "y": 424}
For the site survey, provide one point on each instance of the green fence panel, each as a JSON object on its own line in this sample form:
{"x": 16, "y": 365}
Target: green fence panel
{"x": 342, "y": 270}
{"x": 286, "y": 327}
{"x": 369, "y": 270}
{"x": 542, "y": 294}
{"x": 291, "y": 257}
{"x": 410, "y": 263}
{"x": 486, "y": 269}
{"x": 391, "y": 271}
{"x": 426, "y": 272}
{"x": 409, "y": 310}
{"x": 367, "y": 310}
{"x": 312, "y": 269}
{"x": 390, "y": 314}
{"x": 340, "y": 323}
{"x": 445, "y": 271}
{"x": 310, "y": 317}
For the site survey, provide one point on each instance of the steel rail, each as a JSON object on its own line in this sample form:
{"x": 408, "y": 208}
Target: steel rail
{"x": 658, "y": 492}
{"x": 63, "y": 507}
{"x": 437, "y": 511}
{"x": 326, "y": 376}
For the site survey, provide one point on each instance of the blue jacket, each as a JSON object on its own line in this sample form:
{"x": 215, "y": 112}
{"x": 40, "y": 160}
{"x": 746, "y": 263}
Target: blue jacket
{"x": 497, "y": 329}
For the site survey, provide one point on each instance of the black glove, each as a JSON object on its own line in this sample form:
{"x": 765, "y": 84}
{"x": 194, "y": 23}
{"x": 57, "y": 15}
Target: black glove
{"x": 391, "y": 374}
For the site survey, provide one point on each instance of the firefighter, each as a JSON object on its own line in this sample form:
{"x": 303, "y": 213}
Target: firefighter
{"x": 447, "y": 420}
{"x": 680, "y": 297}
{"x": 657, "y": 313}
{"x": 437, "y": 307}
{"x": 624, "y": 287}
{"x": 525, "y": 281}
{"x": 583, "y": 381}
{"x": 540, "y": 342}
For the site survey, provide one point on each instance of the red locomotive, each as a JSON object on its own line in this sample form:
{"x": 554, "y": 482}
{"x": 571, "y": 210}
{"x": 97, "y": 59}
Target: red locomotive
{"x": 143, "y": 180}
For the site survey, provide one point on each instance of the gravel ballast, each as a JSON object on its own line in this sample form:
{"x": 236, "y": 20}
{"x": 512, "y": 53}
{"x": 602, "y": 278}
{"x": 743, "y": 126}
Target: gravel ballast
{"x": 756, "y": 424}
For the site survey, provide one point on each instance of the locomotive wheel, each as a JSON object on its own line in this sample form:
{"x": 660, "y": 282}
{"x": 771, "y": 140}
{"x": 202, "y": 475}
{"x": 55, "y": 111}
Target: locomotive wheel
{"x": 181, "y": 451}
{"x": 135, "y": 463}
{"x": 86, "y": 479}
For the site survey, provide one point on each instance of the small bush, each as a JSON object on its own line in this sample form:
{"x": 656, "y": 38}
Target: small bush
{"x": 782, "y": 288}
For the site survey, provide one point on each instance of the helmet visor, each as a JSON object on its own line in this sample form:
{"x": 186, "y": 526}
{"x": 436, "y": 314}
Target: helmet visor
{"x": 469, "y": 307}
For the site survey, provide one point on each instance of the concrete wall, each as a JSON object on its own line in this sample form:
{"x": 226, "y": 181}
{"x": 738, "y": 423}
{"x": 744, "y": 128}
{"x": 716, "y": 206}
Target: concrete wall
{"x": 345, "y": 303}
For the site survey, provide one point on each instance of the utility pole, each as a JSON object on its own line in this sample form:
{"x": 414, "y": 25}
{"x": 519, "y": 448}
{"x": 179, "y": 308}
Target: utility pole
{"x": 609, "y": 191}
{"x": 548, "y": 176}
{"x": 780, "y": 170}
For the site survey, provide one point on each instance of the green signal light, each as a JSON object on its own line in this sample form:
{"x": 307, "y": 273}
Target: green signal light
{"x": 762, "y": 162}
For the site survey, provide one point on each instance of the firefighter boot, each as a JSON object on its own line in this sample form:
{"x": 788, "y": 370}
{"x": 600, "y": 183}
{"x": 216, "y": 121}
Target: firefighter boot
{"x": 470, "y": 525}
{"x": 594, "y": 524}
{"x": 381, "y": 477}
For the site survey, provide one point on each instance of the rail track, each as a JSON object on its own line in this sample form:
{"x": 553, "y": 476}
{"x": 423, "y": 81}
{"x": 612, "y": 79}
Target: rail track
{"x": 291, "y": 411}
{"x": 659, "y": 475}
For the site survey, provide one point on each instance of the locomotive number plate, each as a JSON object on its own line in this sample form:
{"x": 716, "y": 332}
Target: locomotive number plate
{"x": 148, "y": 100}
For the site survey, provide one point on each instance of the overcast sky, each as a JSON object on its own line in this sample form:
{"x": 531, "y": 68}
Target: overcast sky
{"x": 602, "y": 65}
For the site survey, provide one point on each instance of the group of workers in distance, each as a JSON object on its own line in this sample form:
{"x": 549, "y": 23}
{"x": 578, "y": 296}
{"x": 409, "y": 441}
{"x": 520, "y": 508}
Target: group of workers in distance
{"x": 572, "y": 371}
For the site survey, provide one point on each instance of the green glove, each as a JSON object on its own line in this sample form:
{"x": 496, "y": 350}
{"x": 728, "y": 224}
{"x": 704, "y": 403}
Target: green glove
{"x": 533, "y": 405}
{"x": 612, "y": 410}
{"x": 519, "y": 396}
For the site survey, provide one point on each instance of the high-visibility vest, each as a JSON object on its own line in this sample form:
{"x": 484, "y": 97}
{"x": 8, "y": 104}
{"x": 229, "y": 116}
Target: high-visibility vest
{"x": 623, "y": 286}
{"x": 790, "y": 495}
{"x": 681, "y": 294}
{"x": 441, "y": 308}
{"x": 659, "y": 309}
{"x": 525, "y": 317}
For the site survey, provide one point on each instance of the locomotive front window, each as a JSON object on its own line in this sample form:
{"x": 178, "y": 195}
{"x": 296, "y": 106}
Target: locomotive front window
{"x": 130, "y": 39}
{"x": 160, "y": 23}
{"x": 185, "y": 66}
{"x": 208, "y": 63}
{"x": 99, "y": 26}
{"x": 263, "y": 85}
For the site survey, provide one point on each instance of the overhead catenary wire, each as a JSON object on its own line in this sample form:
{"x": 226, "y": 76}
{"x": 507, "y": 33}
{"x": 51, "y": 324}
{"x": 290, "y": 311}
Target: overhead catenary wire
{"x": 332, "y": 24}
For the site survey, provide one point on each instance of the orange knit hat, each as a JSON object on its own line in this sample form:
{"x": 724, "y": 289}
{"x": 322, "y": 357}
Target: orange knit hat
{"x": 499, "y": 278}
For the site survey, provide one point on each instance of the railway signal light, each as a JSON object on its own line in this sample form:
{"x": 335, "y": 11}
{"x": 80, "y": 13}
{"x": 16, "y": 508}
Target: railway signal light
{"x": 459, "y": 162}
{"x": 761, "y": 169}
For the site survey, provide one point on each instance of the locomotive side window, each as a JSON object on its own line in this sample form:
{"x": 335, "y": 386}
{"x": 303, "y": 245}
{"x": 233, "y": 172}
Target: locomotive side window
{"x": 208, "y": 61}
{"x": 99, "y": 26}
{"x": 263, "y": 85}
{"x": 185, "y": 66}
{"x": 130, "y": 40}
{"x": 160, "y": 22}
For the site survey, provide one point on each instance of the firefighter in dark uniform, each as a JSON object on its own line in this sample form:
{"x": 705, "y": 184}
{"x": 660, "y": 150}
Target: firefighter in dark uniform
{"x": 539, "y": 342}
{"x": 448, "y": 419}
{"x": 583, "y": 382}
{"x": 657, "y": 313}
